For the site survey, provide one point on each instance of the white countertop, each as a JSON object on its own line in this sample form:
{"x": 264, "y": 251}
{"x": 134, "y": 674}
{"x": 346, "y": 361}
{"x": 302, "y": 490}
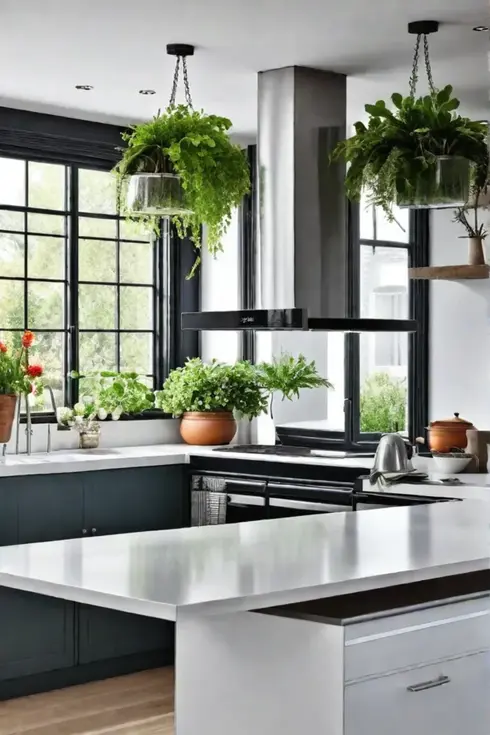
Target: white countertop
{"x": 474, "y": 487}
{"x": 81, "y": 460}
{"x": 246, "y": 566}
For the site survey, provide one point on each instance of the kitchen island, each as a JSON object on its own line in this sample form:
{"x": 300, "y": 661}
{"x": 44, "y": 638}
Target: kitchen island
{"x": 249, "y": 660}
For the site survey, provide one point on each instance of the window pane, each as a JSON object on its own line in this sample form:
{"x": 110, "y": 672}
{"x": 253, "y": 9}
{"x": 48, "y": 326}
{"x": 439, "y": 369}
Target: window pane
{"x": 46, "y": 257}
{"x": 11, "y": 304}
{"x": 97, "y": 352}
{"x": 97, "y": 307}
{"x": 45, "y": 305}
{"x": 48, "y": 350}
{"x": 97, "y": 260}
{"x": 95, "y": 227}
{"x": 51, "y": 224}
{"x": 46, "y": 186}
{"x": 137, "y": 353}
{"x": 384, "y": 380}
{"x": 136, "y": 308}
{"x": 129, "y": 230}
{"x": 136, "y": 262}
{"x": 384, "y": 282}
{"x": 12, "y": 255}
{"x": 97, "y": 191}
{"x": 12, "y": 221}
{"x": 396, "y": 231}
{"x": 12, "y": 182}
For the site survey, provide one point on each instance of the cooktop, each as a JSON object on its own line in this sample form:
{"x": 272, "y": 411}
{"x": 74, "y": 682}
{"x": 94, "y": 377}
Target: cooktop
{"x": 290, "y": 451}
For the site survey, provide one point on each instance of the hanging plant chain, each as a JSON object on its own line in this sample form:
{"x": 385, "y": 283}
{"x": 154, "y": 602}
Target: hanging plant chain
{"x": 175, "y": 83}
{"x": 414, "y": 78}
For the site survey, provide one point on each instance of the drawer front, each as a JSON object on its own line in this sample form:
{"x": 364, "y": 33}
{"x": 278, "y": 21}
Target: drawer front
{"x": 416, "y": 638}
{"x": 449, "y": 698}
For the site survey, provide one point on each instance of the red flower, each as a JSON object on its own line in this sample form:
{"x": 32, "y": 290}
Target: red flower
{"x": 3, "y": 347}
{"x": 27, "y": 339}
{"x": 34, "y": 371}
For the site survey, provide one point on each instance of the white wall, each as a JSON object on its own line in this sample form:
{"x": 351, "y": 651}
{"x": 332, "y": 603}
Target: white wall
{"x": 459, "y": 332}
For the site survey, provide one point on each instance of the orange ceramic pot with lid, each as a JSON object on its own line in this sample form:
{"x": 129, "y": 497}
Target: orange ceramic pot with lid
{"x": 447, "y": 435}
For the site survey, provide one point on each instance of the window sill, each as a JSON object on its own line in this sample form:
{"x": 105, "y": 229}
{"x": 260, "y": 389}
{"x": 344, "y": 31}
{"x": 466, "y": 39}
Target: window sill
{"x": 152, "y": 415}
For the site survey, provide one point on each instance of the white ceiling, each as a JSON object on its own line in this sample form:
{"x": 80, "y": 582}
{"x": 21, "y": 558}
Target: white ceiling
{"x": 118, "y": 46}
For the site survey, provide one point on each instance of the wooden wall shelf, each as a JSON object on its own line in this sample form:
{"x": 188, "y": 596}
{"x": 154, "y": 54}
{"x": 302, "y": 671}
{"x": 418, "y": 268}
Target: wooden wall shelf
{"x": 451, "y": 272}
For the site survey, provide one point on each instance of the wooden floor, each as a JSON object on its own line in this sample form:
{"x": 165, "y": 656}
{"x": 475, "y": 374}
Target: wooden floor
{"x": 138, "y": 704}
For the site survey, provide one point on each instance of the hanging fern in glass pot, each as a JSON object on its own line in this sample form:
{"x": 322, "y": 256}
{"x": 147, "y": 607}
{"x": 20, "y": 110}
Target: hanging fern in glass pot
{"x": 182, "y": 164}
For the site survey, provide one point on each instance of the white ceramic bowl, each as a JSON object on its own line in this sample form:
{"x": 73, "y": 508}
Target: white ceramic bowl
{"x": 450, "y": 465}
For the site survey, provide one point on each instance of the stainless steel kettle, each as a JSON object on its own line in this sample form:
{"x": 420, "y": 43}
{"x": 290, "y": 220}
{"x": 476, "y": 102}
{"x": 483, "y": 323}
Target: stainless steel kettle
{"x": 391, "y": 455}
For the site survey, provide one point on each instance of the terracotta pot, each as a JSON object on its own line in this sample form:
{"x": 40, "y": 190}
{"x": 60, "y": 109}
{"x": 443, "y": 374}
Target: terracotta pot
{"x": 476, "y": 255}
{"x": 448, "y": 434}
{"x": 7, "y": 413}
{"x": 208, "y": 428}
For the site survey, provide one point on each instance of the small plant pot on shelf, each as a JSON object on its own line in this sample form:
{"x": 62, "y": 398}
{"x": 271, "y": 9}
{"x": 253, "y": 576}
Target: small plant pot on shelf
{"x": 156, "y": 194}
{"x": 208, "y": 428}
{"x": 445, "y": 185}
{"x": 7, "y": 412}
{"x": 476, "y": 253}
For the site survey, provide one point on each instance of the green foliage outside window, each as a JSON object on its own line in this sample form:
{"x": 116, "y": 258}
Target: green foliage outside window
{"x": 383, "y": 404}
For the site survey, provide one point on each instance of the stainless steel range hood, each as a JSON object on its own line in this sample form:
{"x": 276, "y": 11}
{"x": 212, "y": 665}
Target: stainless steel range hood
{"x": 303, "y": 224}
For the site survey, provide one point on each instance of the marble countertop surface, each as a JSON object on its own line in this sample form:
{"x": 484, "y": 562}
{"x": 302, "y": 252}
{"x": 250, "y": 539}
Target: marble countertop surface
{"x": 81, "y": 460}
{"x": 247, "y": 566}
{"x": 473, "y": 487}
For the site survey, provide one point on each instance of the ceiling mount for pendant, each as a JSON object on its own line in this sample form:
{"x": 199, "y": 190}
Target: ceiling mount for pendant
{"x": 180, "y": 49}
{"x": 423, "y": 27}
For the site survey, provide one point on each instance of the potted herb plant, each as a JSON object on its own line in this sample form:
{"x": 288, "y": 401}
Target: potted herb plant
{"x": 83, "y": 418}
{"x": 287, "y": 375}
{"x": 183, "y": 164}
{"x": 475, "y": 232}
{"x": 18, "y": 376}
{"x": 207, "y": 395}
{"x": 420, "y": 154}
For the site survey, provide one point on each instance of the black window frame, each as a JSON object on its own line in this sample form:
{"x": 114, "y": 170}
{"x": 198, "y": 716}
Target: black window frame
{"x": 418, "y": 349}
{"x": 78, "y": 144}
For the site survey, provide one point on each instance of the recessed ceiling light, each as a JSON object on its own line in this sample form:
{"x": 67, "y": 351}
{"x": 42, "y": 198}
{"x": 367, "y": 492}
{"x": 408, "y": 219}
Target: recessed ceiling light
{"x": 147, "y": 91}
{"x": 480, "y": 29}
{"x": 85, "y": 87}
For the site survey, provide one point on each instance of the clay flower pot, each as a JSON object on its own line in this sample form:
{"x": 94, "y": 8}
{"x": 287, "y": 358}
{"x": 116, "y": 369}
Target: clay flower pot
{"x": 476, "y": 254}
{"x": 7, "y": 413}
{"x": 208, "y": 428}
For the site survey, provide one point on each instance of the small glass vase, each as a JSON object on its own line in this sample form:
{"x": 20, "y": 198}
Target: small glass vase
{"x": 89, "y": 439}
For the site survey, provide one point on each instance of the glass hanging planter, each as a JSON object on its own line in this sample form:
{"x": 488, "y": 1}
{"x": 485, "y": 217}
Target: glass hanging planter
{"x": 162, "y": 193}
{"x": 156, "y": 194}
{"x": 445, "y": 186}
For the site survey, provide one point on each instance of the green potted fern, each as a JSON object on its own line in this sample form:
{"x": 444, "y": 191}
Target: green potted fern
{"x": 421, "y": 153}
{"x": 183, "y": 164}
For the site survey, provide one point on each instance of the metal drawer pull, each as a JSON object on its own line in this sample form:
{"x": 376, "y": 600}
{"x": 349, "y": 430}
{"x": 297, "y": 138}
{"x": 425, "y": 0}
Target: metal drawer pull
{"x": 245, "y": 500}
{"x": 429, "y": 684}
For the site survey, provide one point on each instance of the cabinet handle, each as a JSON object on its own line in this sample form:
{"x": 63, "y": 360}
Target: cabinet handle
{"x": 429, "y": 684}
{"x": 84, "y": 531}
{"x": 94, "y": 531}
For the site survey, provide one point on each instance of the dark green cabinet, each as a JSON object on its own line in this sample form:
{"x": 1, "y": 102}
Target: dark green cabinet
{"x": 50, "y": 507}
{"x": 41, "y": 634}
{"x": 37, "y": 634}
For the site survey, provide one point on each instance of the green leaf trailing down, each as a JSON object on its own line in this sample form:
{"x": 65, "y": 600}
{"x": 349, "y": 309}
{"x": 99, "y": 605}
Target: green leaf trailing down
{"x": 288, "y": 375}
{"x": 214, "y": 172}
{"x": 394, "y": 156}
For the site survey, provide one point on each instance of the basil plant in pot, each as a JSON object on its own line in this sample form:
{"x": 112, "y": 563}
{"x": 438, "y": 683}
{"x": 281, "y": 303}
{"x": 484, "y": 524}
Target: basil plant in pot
{"x": 421, "y": 153}
{"x": 183, "y": 164}
{"x": 207, "y": 395}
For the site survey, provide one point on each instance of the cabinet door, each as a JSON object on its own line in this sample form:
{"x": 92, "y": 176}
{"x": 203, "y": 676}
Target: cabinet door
{"x": 451, "y": 697}
{"x": 37, "y": 634}
{"x": 105, "y": 634}
{"x": 50, "y": 507}
{"x": 8, "y": 512}
{"x": 134, "y": 499}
